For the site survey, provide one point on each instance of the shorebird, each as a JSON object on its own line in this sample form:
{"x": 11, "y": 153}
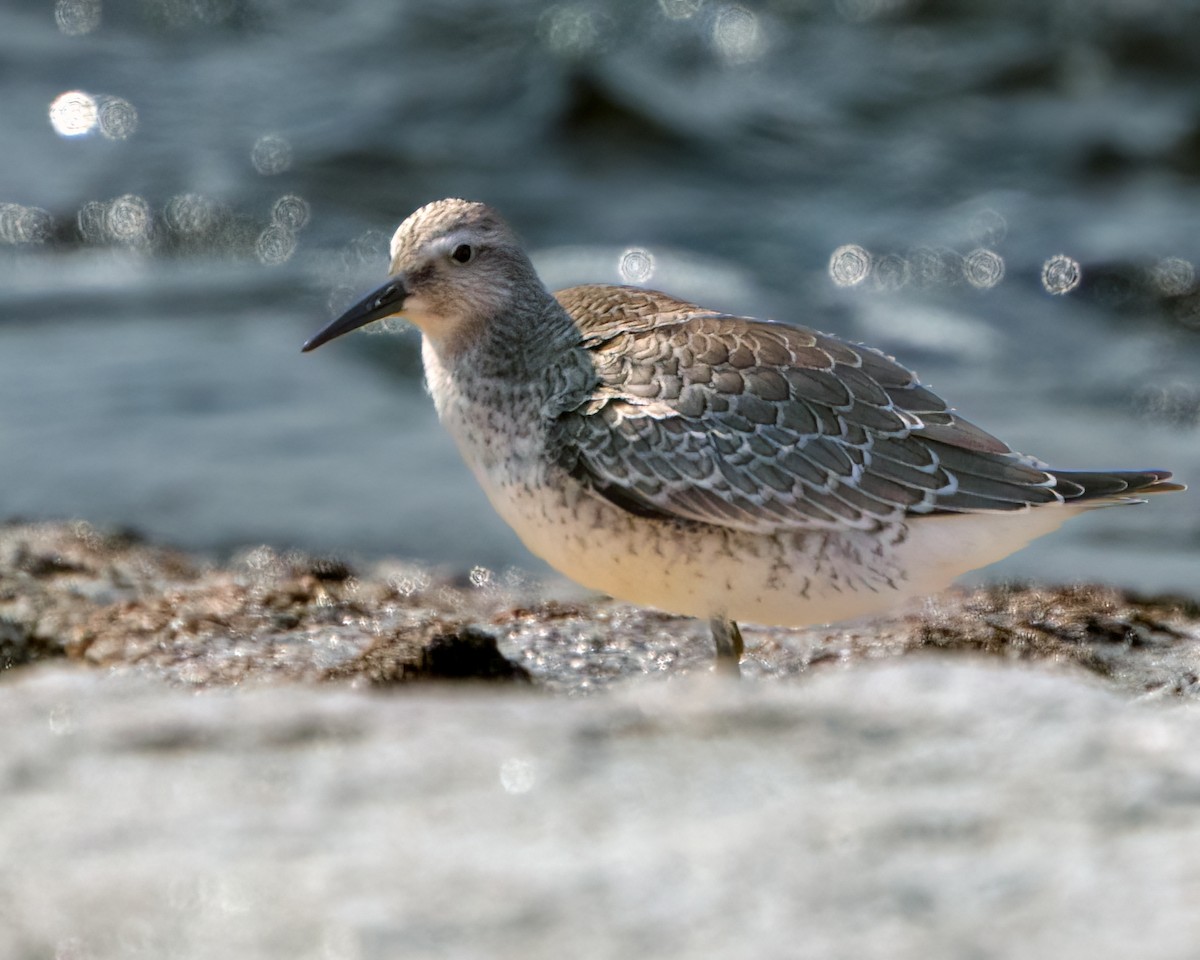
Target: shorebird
{"x": 700, "y": 463}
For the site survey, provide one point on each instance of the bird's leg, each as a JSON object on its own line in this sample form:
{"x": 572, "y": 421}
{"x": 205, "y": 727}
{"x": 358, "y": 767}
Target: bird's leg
{"x": 728, "y": 639}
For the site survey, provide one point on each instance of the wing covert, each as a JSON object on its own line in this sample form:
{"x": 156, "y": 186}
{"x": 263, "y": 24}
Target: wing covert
{"x": 760, "y": 426}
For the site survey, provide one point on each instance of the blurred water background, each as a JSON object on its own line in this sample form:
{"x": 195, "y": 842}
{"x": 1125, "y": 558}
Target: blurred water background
{"x": 1005, "y": 195}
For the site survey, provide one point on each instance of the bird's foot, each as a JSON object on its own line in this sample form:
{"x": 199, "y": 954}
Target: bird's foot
{"x": 728, "y": 640}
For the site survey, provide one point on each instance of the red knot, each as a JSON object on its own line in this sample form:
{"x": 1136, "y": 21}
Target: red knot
{"x": 700, "y": 463}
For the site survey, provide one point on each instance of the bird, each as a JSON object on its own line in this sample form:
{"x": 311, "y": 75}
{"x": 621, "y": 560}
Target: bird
{"x": 700, "y": 463}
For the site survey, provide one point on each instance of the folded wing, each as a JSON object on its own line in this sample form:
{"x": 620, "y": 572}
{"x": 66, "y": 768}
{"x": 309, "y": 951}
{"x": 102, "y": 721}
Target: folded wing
{"x": 760, "y": 427}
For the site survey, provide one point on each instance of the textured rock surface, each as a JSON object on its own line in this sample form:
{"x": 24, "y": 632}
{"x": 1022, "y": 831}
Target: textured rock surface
{"x": 69, "y": 591}
{"x": 1000, "y": 773}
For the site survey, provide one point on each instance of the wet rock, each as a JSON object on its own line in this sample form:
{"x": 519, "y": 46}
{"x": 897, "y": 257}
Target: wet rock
{"x": 202, "y": 765}
{"x": 68, "y": 591}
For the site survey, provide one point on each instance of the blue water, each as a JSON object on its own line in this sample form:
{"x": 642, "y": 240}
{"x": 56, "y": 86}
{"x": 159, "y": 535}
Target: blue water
{"x": 223, "y": 175}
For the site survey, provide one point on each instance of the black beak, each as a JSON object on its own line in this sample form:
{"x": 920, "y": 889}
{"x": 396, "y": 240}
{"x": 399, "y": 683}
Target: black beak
{"x": 387, "y": 301}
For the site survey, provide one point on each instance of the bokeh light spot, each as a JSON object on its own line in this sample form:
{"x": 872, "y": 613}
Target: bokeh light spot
{"x": 1173, "y": 276}
{"x": 191, "y": 215}
{"x": 92, "y": 220}
{"x": 20, "y": 224}
{"x": 933, "y": 267}
{"x": 275, "y": 245}
{"x": 850, "y": 265}
{"x": 737, "y": 35}
{"x": 129, "y": 220}
{"x": 891, "y": 272}
{"x": 570, "y": 30}
{"x": 74, "y": 114}
{"x": 983, "y": 268}
{"x": 77, "y": 17}
{"x": 636, "y": 265}
{"x": 1061, "y": 274}
{"x": 117, "y": 117}
{"x": 290, "y": 212}
{"x": 271, "y": 154}
{"x": 368, "y": 249}
{"x": 340, "y": 297}
{"x": 680, "y": 9}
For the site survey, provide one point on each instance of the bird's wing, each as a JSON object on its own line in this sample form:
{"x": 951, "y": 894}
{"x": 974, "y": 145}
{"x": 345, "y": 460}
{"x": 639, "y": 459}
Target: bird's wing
{"x": 761, "y": 426}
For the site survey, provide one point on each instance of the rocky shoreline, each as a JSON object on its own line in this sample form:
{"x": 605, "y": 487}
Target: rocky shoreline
{"x": 69, "y": 592}
{"x": 252, "y": 759}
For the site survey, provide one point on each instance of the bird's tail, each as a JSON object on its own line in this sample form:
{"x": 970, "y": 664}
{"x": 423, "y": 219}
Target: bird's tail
{"x": 1105, "y": 489}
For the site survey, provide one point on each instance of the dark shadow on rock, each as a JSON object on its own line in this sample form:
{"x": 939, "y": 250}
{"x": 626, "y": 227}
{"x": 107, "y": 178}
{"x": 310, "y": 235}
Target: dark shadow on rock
{"x": 468, "y": 654}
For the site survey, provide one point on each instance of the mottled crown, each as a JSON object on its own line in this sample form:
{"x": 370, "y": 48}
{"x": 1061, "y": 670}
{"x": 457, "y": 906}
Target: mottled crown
{"x": 444, "y": 217}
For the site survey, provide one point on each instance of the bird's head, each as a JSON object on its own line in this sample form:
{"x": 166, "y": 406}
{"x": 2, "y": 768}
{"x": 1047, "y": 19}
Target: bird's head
{"x": 455, "y": 267}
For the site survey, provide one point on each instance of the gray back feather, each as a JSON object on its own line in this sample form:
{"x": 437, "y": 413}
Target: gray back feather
{"x": 761, "y": 426}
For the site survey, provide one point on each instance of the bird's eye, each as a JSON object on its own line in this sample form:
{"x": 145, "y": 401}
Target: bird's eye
{"x": 463, "y": 253}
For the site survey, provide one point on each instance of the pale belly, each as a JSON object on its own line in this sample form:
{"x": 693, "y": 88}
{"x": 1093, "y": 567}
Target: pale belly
{"x": 791, "y": 579}
{"x": 787, "y": 579}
